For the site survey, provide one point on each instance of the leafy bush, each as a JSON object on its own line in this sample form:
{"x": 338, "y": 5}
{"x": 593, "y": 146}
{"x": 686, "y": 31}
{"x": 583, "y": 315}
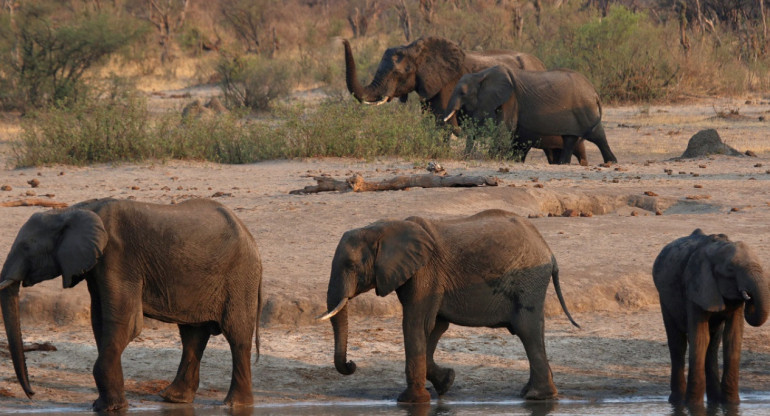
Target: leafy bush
{"x": 491, "y": 140}
{"x": 253, "y": 81}
{"x": 347, "y": 128}
{"x": 47, "y": 54}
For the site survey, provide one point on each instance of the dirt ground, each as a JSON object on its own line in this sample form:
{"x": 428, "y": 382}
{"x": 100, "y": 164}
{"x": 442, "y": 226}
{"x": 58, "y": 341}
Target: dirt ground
{"x": 605, "y": 260}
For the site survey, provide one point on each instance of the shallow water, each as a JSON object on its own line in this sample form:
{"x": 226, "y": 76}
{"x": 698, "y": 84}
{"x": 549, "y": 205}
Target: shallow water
{"x": 751, "y": 405}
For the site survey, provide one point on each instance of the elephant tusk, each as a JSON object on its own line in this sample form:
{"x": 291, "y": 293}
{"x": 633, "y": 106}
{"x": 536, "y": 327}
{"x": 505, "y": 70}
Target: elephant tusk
{"x": 336, "y": 310}
{"x": 449, "y": 117}
{"x": 382, "y": 101}
{"x": 5, "y": 283}
{"x": 745, "y": 295}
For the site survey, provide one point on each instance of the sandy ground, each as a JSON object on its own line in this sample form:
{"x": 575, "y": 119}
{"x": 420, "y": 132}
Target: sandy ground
{"x": 605, "y": 262}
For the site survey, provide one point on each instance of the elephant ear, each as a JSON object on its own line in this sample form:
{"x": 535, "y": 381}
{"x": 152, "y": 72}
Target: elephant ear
{"x": 439, "y": 63}
{"x": 82, "y": 243}
{"x": 404, "y": 248}
{"x": 495, "y": 89}
{"x": 700, "y": 280}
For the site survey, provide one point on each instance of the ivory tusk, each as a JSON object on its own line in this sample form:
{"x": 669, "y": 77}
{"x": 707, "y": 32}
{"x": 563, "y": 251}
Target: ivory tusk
{"x": 745, "y": 295}
{"x": 382, "y": 101}
{"x": 339, "y": 307}
{"x": 6, "y": 283}
{"x": 449, "y": 117}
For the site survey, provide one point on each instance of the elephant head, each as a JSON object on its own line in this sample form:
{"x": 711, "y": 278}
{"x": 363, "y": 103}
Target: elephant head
{"x": 425, "y": 65}
{"x": 381, "y": 256}
{"x": 480, "y": 94}
{"x": 60, "y": 242}
{"x": 726, "y": 270}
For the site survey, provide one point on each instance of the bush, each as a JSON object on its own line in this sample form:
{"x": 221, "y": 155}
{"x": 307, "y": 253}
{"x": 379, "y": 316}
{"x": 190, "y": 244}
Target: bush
{"x": 347, "y": 128}
{"x": 48, "y": 52}
{"x": 253, "y": 81}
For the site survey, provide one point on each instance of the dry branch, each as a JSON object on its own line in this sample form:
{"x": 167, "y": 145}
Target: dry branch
{"x": 356, "y": 183}
{"x": 34, "y": 202}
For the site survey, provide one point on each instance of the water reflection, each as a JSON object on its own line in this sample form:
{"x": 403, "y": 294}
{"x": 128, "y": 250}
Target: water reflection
{"x": 639, "y": 406}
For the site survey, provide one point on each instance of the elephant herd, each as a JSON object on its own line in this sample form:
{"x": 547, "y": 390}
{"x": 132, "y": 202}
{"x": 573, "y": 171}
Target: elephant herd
{"x": 553, "y": 110}
{"x": 197, "y": 265}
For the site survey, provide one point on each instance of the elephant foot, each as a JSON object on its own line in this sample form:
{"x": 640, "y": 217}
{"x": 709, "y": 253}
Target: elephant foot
{"x": 414, "y": 395}
{"x": 173, "y": 394}
{"x": 104, "y": 405}
{"x": 239, "y": 399}
{"x": 442, "y": 380}
{"x": 546, "y": 393}
{"x": 676, "y": 399}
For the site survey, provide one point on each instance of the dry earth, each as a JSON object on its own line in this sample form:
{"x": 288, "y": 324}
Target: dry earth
{"x": 605, "y": 259}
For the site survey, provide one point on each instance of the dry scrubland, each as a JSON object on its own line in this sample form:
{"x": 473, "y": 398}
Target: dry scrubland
{"x": 605, "y": 260}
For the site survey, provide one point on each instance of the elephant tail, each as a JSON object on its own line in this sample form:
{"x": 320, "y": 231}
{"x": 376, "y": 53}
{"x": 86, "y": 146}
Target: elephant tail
{"x": 557, "y": 286}
{"x": 259, "y": 318}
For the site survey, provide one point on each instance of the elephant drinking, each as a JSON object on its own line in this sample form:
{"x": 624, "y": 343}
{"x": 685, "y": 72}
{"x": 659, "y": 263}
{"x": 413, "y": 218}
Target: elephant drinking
{"x": 707, "y": 286}
{"x": 491, "y": 269}
{"x": 194, "y": 264}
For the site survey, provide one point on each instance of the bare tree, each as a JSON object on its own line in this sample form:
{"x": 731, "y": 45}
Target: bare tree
{"x": 362, "y": 14}
{"x": 168, "y": 17}
{"x": 404, "y": 20}
{"x": 428, "y": 10}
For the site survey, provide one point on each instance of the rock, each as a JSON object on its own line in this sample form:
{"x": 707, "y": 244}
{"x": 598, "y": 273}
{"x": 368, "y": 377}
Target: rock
{"x": 6, "y": 188}
{"x": 33, "y": 182}
{"x": 707, "y": 142}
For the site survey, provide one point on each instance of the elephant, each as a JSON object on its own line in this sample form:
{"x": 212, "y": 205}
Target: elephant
{"x": 430, "y": 66}
{"x": 705, "y": 282}
{"x": 551, "y": 145}
{"x": 539, "y": 103}
{"x": 194, "y": 264}
{"x": 490, "y": 269}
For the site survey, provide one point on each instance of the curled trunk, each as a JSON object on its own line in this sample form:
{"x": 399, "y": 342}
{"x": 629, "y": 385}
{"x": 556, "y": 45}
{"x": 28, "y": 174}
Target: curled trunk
{"x": 9, "y": 298}
{"x": 351, "y": 78}
{"x": 340, "y": 326}
{"x": 757, "y": 308}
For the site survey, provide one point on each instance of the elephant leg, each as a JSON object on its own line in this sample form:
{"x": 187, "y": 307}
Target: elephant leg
{"x": 416, "y": 327}
{"x": 677, "y": 348}
{"x": 599, "y": 138}
{"x": 553, "y": 155}
{"x": 184, "y": 386}
{"x": 566, "y": 151}
{"x": 530, "y": 327}
{"x": 240, "y": 339}
{"x": 733, "y": 338}
{"x": 580, "y": 152}
{"x": 698, "y": 339}
{"x": 713, "y": 389}
{"x": 441, "y": 378}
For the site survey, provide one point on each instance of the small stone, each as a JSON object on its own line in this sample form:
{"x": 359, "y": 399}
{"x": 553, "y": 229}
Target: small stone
{"x": 758, "y": 165}
{"x": 702, "y": 166}
{"x": 538, "y": 185}
{"x": 504, "y": 170}
{"x": 650, "y": 193}
{"x": 697, "y": 186}
{"x": 135, "y": 188}
{"x": 6, "y": 188}
{"x": 33, "y": 182}
{"x": 750, "y": 153}
{"x": 586, "y": 214}
{"x": 30, "y": 193}
{"x": 570, "y": 213}
{"x": 734, "y": 209}
{"x": 634, "y": 214}
{"x": 534, "y": 215}
{"x": 658, "y": 212}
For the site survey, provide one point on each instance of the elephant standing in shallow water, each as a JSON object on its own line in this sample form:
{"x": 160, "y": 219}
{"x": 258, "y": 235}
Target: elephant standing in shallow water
{"x": 194, "y": 264}
{"x": 707, "y": 286}
{"x": 491, "y": 269}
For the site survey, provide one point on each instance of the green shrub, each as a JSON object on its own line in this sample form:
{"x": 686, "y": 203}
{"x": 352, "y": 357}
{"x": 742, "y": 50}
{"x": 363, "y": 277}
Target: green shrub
{"x": 253, "y": 81}
{"x": 347, "y": 128}
{"x": 490, "y": 140}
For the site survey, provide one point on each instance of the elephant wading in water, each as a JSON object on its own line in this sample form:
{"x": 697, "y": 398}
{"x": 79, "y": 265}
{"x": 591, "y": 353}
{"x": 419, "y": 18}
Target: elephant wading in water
{"x": 430, "y": 66}
{"x": 194, "y": 264}
{"x": 707, "y": 286}
{"x": 545, "y": 103}
{"x": 491, "y": 269}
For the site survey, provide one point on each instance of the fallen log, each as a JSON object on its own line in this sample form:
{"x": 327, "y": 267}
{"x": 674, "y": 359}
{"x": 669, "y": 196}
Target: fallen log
{"x": 356, "y": 183}
{"x": 34, "y": 202}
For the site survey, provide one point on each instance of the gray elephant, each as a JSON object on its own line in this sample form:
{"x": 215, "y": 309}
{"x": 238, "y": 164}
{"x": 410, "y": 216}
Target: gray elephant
{"x": 430, "y": 66}
{"x": 193, "y": 263}
{"x": 545, "y": 103}
{"x": 707, "y": 286}
{"x": 491, "y": 269}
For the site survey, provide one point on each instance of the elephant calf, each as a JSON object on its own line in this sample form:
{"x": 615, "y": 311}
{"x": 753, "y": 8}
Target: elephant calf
{"x": 194, "y": 264}
{"x": 705, "y": 283}
{"x": 491, "y": 269}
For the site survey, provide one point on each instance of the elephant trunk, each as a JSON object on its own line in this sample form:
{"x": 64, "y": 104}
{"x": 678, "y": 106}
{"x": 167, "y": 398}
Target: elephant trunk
{"x": 340, "y": 325}
{"x": 362, "y": 94}
{"x": 757, "y": 307}
{"x": 9, "y": 299}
